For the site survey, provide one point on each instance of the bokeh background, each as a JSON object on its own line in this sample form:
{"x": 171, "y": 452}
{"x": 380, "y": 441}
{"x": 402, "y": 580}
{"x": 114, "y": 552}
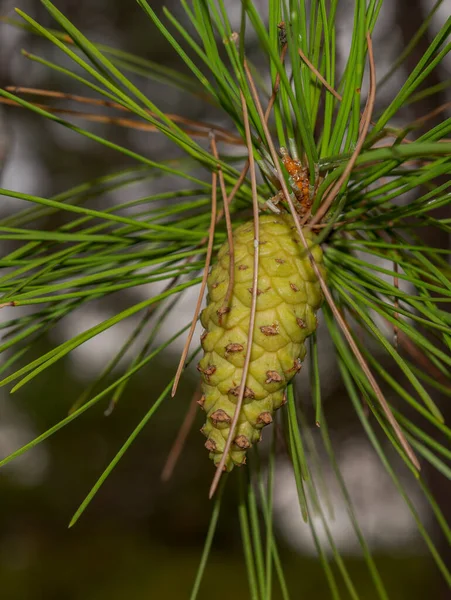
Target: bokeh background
{"x": 141, "y": 538}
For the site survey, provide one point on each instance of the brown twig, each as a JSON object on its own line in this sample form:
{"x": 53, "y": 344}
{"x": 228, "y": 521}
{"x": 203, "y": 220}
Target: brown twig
{"x": 228, "y": 225}
{"x": 407, "y": 344}
{"x": 235, "y": 188}
{"x": 276, "y": 85}
{"x": 198, "y": 129}
{"x": 111, "y": 104}
{"x": 254, "y": 288}
{"x": 430, "y": 115}
{"x": 328, "y": 296}
{"x": 250, "y": 333}
{"x": 148, "y": 314}
{"x": 314, "y": 70}
{"x": 180, "y": 440}
{"x": 211, "y": 235}
{"x": 363, "y": 130}
{"x": 238, "y": 183}
{"x": 187, "y": 423}
{"x": 5, "y": 304}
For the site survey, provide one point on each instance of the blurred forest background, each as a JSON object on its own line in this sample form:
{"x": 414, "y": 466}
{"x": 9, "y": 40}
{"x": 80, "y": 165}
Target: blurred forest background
{"x": 141, "y": 538}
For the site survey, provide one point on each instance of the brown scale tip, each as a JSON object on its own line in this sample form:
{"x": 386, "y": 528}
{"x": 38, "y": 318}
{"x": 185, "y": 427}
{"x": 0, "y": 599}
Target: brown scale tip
{"x": 294, "y": 287}
{"x": 265, "y": 418}
{"x": 208, "y": 372}
{"x": 279, "y": 260}
{"x": 216, "y": 463}
{"x": 273, "y": 376}
{"x": 301, "y": 323}
{"x": 242, "y": 442}
{"x": 203, "y": 336}
{"x": 220, "y": 416}
{"x": 243, "y": 267}
{"x": 210, "y": 445}
{"x": 221, "y": 312}
{"x": 297, "y": 366}
{"x": 248, "y": 393}
{"x": 231, "y": 348}
{"x": 270, "y": 329}
{"x": 201, "y": 401}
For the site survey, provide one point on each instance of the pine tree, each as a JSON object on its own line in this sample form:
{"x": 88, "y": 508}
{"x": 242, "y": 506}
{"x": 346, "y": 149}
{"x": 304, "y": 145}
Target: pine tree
{"x": 305, "y": 190}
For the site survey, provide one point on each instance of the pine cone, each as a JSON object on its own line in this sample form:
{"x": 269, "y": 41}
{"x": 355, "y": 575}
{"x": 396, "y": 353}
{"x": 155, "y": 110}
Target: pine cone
{"x": 288, "y": 297}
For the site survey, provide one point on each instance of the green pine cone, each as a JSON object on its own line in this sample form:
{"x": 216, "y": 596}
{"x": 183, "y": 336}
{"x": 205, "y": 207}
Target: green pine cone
{"x": 288, "y": 297}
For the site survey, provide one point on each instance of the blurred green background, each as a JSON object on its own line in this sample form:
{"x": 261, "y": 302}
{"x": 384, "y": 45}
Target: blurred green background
{"x": 140, "y": 537}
